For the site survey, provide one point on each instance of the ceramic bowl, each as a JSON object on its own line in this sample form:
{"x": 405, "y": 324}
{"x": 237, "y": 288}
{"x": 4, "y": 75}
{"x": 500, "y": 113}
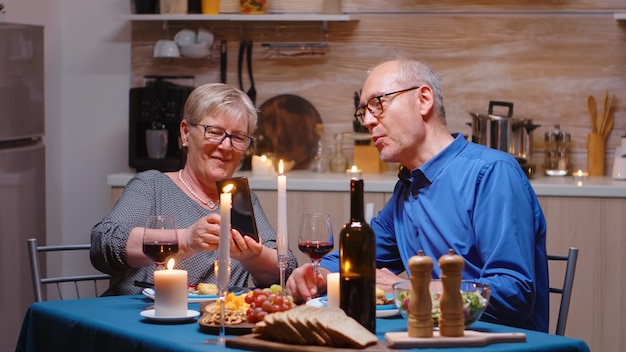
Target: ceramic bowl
{"x": 205, "y": 36}
{"x": 475, "y": 299}
{"x": 166, "y": 48}
{"x": 195, "y": 51}
{"x": 185, "y": 37}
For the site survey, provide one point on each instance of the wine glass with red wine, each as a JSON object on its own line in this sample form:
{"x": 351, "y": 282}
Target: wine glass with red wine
{"x": 316, "y": 237}
{"x": 159, "y": 239}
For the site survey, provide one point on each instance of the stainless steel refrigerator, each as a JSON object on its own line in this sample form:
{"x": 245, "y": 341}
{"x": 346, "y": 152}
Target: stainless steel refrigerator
{"x": 22, "y": 169}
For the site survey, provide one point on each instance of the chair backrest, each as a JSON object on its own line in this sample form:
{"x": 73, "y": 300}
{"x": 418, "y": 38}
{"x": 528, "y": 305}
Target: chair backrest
{"x": 38, "y": 281}
{"x": 566, "y": 290}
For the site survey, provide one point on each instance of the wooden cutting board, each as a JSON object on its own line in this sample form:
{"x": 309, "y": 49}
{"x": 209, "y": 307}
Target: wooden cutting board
{"x": 288, "y": 121}
{"x": 470, "y": 339}
{"x": 252, "y": 343}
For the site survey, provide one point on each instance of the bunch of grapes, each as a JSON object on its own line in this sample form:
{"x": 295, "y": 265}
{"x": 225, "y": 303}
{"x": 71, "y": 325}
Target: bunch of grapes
{"x": 265, "y": 301}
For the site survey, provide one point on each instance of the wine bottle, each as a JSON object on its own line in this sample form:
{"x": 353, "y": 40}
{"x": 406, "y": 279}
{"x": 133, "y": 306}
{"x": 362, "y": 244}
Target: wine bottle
{"x": 357, "y": 255}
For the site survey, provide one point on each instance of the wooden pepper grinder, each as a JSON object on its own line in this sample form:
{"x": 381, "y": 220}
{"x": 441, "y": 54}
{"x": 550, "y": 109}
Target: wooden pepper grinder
{"x": 420, "y": 323}
{"x": 451, "y": 321}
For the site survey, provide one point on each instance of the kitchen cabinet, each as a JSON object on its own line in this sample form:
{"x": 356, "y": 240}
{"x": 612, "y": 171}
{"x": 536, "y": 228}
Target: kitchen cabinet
{"x": 597, "y": 227}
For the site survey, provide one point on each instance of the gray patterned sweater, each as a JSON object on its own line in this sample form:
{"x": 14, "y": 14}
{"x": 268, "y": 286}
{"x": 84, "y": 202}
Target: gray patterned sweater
{"x": 152, "y": 192}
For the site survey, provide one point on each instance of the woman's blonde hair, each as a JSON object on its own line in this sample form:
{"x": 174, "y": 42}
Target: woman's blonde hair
{"x": 220, "y": 98}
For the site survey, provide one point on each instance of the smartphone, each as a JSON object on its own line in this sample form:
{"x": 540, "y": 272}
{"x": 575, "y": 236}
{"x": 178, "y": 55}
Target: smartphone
{"x": 242, "y": 214}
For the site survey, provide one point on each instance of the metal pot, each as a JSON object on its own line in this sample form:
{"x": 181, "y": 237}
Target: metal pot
{"x": 505, "y": 133}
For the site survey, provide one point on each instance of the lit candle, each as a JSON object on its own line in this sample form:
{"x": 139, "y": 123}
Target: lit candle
{"x": 580, "y": 177}
{"x": 170, "y": 291}
{"x": 281, "y": 237}
{"x": 332, "y": 289}
{"x": 354, "y": 172}
{"x": 223, "y": 255}
{"x": 262, "y": 165}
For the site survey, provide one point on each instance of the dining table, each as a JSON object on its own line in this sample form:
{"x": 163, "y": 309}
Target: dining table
{"x": 115, "y": 323}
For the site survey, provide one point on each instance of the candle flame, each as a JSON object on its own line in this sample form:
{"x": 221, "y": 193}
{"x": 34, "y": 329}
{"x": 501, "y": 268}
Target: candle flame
{"x": 281, "y": 167}
{"x": 228, "y": 188}
{"x": 354, "y": 168}
{"x": 580, "y": 172}
{"x": 263, "y": 157}
{"x": 170, "y": 264}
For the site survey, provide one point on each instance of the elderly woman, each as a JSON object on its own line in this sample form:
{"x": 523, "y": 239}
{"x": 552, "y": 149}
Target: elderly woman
{"x": 217, "y": 122}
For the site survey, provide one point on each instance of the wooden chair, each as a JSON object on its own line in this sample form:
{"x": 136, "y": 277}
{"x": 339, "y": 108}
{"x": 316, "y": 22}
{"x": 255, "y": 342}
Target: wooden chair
{"x": 38, "y": 281}
{"x": 566, "y": 290}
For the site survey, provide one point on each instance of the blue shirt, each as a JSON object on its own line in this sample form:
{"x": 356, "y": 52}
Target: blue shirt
{"x": 478, "y": 202}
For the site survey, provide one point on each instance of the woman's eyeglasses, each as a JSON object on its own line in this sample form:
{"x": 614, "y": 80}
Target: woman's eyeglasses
{"x": 375, "y": 105}
{"x": 216, "y": 135}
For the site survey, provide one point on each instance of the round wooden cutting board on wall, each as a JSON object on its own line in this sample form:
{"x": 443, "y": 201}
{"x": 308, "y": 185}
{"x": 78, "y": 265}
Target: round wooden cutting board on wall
{"x": 288, "y": 121}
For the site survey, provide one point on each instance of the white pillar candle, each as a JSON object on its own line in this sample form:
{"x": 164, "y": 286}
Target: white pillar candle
{"x": 281, "y": 237}
{"x": 332, "y": 289}
{"x": 170, "y": 292}
{"x": 262, "y": 165}
{"x": 223, "y": 256}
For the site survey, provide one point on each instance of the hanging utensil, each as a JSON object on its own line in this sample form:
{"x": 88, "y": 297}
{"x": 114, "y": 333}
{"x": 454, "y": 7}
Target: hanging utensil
{"x": 252, "y": 91}
{"x": 223, "y": 61}
{"x": 609, "y": 118}
{"x": 592, "y": 107}
{"x": 242, "y": 49}
{"x": 601, "y": 118}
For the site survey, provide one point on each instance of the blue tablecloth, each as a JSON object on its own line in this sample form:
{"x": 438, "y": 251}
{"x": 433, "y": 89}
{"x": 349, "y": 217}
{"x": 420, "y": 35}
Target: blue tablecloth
{"x": 114, "y": 324}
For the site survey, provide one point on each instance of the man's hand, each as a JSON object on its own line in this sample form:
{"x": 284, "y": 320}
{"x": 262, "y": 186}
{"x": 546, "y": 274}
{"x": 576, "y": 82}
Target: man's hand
{"x": 385, "y": 278}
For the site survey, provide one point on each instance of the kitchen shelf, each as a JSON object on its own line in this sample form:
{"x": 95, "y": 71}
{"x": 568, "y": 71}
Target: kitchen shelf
{"x": 294, "y": 17}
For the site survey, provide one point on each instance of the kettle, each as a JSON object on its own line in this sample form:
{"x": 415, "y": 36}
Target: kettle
{"x": 619, "y": 161}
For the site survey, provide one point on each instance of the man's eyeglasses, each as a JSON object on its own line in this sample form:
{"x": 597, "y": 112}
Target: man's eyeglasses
{"x": 375, "y": 105}
{"x": 216, "y": 135}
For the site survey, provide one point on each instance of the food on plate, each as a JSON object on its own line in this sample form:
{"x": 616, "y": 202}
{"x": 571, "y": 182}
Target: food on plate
{"x": 211, "y": 315}
{"x": 235, "y": 309}
{"x": 306, "y": 325}
{"x": 263, "y": 302}
{"x": 206, "y": 289}
{"x": 251, "y": 307}
{"x": 381, "y": 297}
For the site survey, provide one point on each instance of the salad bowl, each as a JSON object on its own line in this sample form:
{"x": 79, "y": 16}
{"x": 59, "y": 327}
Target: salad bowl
{"x": 475, "y": 299}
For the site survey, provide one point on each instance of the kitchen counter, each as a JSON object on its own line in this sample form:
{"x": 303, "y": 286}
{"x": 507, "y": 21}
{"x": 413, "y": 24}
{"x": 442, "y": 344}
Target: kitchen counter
{"x": 303, "y": 180}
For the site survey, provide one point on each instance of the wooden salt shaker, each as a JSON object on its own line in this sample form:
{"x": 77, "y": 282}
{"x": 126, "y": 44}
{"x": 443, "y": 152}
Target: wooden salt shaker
{"x": 451, "y": 321}
{"x": 420, "y": 322}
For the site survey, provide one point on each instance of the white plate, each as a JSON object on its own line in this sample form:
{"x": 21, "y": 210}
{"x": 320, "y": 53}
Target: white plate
{"x": 191, "y": 298}
{"x": 149, "y": 314}
{"x": 381, "y": 312}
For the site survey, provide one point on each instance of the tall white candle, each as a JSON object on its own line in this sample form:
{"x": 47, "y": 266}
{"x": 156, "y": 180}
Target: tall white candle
{"x": 281, "y": 238}
{"x": 223, "y": 257}
{"x": 332, "y": 289}
{"x": 170, "y": 292}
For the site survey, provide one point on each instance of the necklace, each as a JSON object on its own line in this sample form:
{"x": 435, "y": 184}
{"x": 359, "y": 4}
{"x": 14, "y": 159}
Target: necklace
{"x": 209, "y": 203}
